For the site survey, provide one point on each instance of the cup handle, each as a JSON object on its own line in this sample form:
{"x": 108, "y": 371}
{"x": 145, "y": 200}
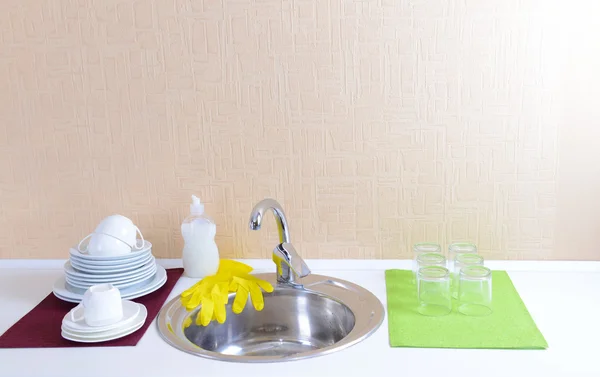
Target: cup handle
{"x": 108, "y": 235}
{"x": 80, "y": 242}
{"x": 77, "y": 313}
{"x": 142, "y": 237}
{"x": 116, "y": 238}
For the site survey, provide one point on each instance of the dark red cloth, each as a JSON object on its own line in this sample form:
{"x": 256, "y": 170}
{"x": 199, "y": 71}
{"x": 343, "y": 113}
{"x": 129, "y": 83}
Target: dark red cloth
{"x": 40, "y": 328}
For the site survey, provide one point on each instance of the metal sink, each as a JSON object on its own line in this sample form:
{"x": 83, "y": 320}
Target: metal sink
{"x": 306, "y": 315}
{"x": 324, "y": 316}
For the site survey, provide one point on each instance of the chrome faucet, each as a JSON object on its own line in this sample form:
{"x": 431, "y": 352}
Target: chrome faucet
{"x": 290, "y": 266}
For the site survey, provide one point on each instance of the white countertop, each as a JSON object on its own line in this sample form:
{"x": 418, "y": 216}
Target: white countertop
{"x": 562, "y": 297}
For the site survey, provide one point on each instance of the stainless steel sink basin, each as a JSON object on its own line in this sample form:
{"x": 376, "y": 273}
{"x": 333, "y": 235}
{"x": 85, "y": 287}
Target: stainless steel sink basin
{"x": 324, "y": 316}
{"x": 306, "y": 315}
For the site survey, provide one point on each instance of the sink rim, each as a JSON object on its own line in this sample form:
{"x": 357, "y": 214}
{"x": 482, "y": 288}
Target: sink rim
{"x": 368, "y": 311}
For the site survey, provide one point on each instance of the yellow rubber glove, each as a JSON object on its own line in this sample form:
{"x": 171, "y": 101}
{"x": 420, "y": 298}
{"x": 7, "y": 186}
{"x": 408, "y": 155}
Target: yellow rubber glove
{"x": 248, "y": 284}
{"x": 212, "y": 292}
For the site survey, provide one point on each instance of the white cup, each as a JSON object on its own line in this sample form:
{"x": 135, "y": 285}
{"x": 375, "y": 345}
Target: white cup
{"x": 122, "y": 228}
{"x": 101, "y": 306}
{"x": 104, "y": 245}
{"x": 115, "y": 235}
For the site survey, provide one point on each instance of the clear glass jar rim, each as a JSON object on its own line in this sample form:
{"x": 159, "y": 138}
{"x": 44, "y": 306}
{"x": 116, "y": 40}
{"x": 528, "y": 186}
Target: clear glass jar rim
{"x": 475, "y": 272}
{"x": 469, "y": 258}
{"x": 462, "y": 247}
{"x": 433, "y": 273}
{"x": 431, "y": 258}
{"x": 427, "y": 247}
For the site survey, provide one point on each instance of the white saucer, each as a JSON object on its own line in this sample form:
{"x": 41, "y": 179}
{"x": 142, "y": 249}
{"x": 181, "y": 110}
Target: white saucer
{"x": 103, "y": 336}
{"x": 116, "y": 262}
{"x": 103, "y": 278}
{"x": 82, "y": 267}
{"x": 109, "y": 336}
{"x": 77, "y": 283}
{"x": 130, "y": 311}
{"x": 147, "y": 246}
{"x": 60, "y": 290}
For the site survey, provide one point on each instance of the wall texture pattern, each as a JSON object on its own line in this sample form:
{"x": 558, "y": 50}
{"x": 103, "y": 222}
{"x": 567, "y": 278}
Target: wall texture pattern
{"x": 376, "y": 124}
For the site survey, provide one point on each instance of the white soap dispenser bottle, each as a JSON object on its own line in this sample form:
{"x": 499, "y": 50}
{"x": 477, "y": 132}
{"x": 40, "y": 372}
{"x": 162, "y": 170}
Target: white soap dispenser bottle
{"x": 200, "y": 252}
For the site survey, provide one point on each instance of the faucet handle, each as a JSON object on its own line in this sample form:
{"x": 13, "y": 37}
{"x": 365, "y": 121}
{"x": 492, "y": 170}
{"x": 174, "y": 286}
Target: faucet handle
{"x": 289, "y": 263}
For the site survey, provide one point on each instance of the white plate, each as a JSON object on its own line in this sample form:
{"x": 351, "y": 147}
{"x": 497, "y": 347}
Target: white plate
{"x": 98, "y": 270}
{"x": 113, "y": 264}
{"x": 81, "y": 291}
{"x": 102, "y": 263}
{"x": 138, "y": 293}
{"x": 76, "y": 298}
{"x": 150, "y": 288}
{"x": 158, "y": 281}
{"x": 130, "y": 311}
{"x": 119, "y": 284}
{"x": 77, "y": 275}
{"x": 66, "y": 299}
{"x": 104, "y": 336}
{"x": 133, "y": 254}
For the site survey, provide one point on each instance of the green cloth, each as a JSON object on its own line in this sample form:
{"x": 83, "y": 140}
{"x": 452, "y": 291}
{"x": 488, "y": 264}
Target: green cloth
{"x": 509, "y": 325}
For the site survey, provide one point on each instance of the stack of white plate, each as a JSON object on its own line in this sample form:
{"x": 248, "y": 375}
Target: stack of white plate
{"x": 135, "y": 274}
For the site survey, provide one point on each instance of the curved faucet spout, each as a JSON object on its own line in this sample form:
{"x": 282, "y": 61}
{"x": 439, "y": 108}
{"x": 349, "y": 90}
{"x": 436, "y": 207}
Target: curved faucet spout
{"x": 258, "y": 212}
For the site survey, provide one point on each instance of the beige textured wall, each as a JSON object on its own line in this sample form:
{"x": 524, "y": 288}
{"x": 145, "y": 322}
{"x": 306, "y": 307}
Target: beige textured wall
{"x": 375, "y": 123}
